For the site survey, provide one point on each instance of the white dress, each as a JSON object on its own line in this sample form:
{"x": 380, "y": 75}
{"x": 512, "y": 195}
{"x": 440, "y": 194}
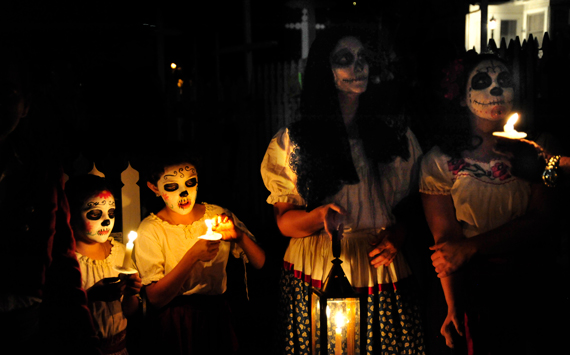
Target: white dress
{"x": 485, "y": 194}
{"x": 369, "y": 207}
{"x": 391, "y": 305}
{"x": 160, "y": 246}
{"x": 107, "y": 316}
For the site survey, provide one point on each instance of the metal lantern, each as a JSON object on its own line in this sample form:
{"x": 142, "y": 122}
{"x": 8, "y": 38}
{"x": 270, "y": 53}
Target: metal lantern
{"x": 335, "y": 312}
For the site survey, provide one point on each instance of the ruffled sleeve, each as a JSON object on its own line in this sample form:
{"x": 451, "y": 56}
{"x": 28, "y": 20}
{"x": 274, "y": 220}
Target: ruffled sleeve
{"x": 277, "y": 175}
{"x": 148, "y": 251}
{"x": 435, "y": 175}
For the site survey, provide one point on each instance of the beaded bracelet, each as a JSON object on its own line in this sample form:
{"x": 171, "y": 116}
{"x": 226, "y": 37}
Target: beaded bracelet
{"x": 550, "y": 174}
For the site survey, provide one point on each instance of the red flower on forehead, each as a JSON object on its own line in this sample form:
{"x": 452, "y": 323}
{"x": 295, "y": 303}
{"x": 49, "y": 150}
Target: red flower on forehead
{"x": 105, "y": 194}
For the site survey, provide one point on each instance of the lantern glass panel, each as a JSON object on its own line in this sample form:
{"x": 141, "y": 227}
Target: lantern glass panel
{"x": 342, "y": 328}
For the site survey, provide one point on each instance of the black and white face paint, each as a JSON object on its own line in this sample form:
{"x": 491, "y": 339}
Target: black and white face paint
{"x": 178, "y": 188}
{"x": 98, "y": 214}
{"x": 349, "y": 64}
{"x": 490, "y": 91}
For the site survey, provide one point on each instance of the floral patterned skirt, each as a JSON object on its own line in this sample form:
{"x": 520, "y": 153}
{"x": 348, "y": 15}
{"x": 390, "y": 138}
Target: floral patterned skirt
{"x": 393, "y": 324}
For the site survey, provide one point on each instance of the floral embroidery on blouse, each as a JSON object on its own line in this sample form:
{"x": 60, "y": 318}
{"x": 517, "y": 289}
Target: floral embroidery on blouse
{"x": 499, "y": 171}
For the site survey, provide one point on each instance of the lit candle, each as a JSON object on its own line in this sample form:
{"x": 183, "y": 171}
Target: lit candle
{"x": 338, "y": 342}
{"x": 340, "y": 322}
{"x": 210, "y": 235}
{"x": 351, "y": 308}
{"x": 129, "y": 250}
{"x": 509, "y": 129}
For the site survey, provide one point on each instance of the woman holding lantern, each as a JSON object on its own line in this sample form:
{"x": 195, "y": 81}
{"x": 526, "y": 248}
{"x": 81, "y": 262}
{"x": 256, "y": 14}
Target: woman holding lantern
{"x": 483, "y": 219}
{"x": 112, "y": 296}
{"x": 183, "y": 264}
{"x": 346, "y": 165}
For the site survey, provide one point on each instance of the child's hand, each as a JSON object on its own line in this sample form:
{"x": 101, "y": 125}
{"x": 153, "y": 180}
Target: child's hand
{"x": 224, "y": 225}
{"x": 133, "y": 283}
{"x": 205, "y": 250}
{"x": 106, "y": 290}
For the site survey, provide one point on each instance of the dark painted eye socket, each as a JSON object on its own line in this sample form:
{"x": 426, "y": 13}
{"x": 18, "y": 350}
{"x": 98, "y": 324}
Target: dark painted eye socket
{"x": 94, "y": 215}
{"x": 111, "y": 213}
{"x": 171, "y": 187}
{"x": 192, "y": 182}
{"x": 481, "y": 81}
{"x": 505, "y": 80}
{"x": 343, "y": 59}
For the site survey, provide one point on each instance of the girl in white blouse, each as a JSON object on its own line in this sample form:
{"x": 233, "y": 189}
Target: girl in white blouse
{"x": 483, "y": 219}
{"x": 185, "y": 276}
{"x": 112, "y": 297}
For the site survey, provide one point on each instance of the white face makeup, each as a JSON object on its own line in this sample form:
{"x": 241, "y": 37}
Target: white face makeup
{"x": 178, "y": 188}
{"x": 350, "y": 66}
{"x": 490, "y": 91}
{"x": 98, "y": 214}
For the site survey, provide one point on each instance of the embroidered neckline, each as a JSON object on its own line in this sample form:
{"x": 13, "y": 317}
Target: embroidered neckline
{"x": 500, "y": 170}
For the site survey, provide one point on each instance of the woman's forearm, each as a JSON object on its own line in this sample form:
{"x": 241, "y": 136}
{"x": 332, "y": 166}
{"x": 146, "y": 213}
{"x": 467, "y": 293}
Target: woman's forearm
{"x": 296, "y": 222}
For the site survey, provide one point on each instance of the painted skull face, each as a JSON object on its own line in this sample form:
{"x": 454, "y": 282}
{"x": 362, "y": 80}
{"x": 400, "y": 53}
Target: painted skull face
{"x": 178, "y": 188}
{"x": 98, "y": 214}
{"x": 350, "y": 66}
{"x": 490, "y": 91}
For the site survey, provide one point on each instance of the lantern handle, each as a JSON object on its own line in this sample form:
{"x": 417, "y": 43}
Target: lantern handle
{"x": 336, "y": 237}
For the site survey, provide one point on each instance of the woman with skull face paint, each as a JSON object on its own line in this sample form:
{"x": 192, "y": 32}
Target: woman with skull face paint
{"x": 480, "y": 215}
{"x": 184, "y": 276}
{"x": 112, "y": 297}
{"x": 348, "y": 164}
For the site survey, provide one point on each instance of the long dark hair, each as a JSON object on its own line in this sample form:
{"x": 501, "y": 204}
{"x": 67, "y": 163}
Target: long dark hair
{"x": 455, "y": 134}
{"x": 322, "y": 158}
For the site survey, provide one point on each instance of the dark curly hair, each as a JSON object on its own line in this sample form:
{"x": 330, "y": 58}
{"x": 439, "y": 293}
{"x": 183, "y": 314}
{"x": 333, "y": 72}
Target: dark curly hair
{"x": 454, "y": 130}
{"x": 322, "y": 158}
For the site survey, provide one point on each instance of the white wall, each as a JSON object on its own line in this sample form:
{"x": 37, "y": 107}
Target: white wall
{"x": 514, "y": 10}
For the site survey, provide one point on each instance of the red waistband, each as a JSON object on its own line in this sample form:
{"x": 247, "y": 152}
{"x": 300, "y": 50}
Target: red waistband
{"x": 318, "y": 283}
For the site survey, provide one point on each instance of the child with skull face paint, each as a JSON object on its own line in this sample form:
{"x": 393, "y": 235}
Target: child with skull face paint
{"x": 112, "y": 297}
{"x": 184, "y": 276}
{"x": 481, "y": 216}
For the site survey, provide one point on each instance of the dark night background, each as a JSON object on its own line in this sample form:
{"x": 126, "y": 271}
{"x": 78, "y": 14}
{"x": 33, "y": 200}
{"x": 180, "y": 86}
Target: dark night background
{"x": 105, "y": 90}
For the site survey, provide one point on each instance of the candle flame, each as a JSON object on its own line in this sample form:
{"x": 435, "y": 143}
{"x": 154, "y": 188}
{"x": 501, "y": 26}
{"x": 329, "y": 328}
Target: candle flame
{"x": 510, "y": 126}
{"x": 210, "y": 234}
{"x": 132, "y": 236}
{"x": 340, "y": 319}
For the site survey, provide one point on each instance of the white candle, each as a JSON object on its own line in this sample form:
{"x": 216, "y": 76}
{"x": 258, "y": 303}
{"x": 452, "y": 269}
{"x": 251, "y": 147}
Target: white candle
{"x": 338, "y": 342}
{"x": 210, "y": 235}
{"x": 129, "y": 250}
{"x": 340, "y": 321}
{"x": 509, "y": 129}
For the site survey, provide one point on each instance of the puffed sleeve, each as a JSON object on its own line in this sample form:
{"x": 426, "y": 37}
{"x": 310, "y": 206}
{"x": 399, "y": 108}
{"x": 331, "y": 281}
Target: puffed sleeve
{"x": 148, "y": 252}
{"x": 436, "y": 178}
{"x": 277, "y": 176}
